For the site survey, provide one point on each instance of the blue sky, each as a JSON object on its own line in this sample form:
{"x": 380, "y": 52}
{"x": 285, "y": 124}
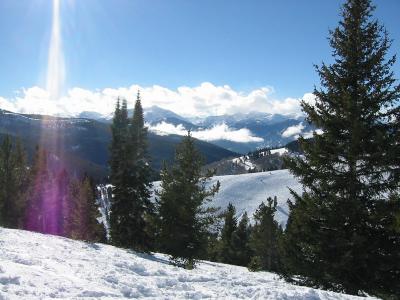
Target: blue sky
{"x": 116, "y": 43}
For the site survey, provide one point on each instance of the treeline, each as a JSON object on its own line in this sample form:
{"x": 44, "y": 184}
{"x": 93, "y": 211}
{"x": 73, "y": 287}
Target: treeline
{"x": 43, "y": 198}
{"x": 256, "y": 245}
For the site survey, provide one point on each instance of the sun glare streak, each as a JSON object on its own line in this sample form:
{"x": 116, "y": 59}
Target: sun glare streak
{"x": 56, "y": 65}
{"x": 48, "y": 203}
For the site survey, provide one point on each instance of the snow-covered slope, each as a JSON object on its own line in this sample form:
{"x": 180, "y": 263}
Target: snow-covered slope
{"x": 36, "y": 266}
{"x": 247, "y": 191}
{"x": 244, "y": 191}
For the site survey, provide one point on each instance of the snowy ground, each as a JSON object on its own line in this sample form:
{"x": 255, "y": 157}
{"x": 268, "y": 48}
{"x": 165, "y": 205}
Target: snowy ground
{"x": 247, "y": 191}
{"x": 35, "y": 266}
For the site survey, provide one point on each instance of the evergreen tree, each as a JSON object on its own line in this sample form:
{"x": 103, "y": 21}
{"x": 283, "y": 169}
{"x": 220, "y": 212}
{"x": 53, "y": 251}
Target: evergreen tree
{"x": 240, "y": 242}
{"x": 139, "y": 176}
{"x": 183, "y": 218}
{"x": 37, "y": 192}
{"x": 13, "y": 176}
{"x": 63, "y": 203}
{"x": 227, "y": 253}
{"x": 264, "y": 240}
{"x": 21, "y": 172}
{"x": 44, "y": 207}
{"x": 118, "y": 127}
{"x": 83, "y": 221}
{"x": 74, "y": 216}
{"x": 120, "y": 210}
{"x": 131, "y": 208}
{"x": 337, "y": 226}
{"x": 96, "y": 230}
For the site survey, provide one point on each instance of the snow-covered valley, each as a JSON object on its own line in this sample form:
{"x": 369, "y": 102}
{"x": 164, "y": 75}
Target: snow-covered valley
{"x": 37, "y": 266}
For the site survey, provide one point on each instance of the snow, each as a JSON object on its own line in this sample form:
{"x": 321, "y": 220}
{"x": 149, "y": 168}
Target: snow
{"x": 104, "y": 206}
{"x": 247, "y": 191}
{"x": 280, "y": 151}
{"x": 36, "y": 266}
{"x": 245, "y": 162}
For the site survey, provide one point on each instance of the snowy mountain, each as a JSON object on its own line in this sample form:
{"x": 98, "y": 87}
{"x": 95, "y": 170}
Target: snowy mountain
{"x": 36, "y": 266}
{"x": 154, "y": 115}
{"x": 272, "y": 130}
{"x": 238, "y": 132}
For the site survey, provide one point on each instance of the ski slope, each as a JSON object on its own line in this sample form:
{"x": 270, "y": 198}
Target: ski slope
{"x": 36, "y": 266}
{"x": 247, "y": 191}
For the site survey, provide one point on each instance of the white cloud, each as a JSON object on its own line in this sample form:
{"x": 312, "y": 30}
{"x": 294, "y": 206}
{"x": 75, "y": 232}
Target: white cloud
{"x": 293, "y": 130}
{"x": 310, "y": 134}
{"x": 5, "y": 104}
{"x": 217, "y": 132}
{"x": 203, "y": 100}
{"x": 164, "y": 128}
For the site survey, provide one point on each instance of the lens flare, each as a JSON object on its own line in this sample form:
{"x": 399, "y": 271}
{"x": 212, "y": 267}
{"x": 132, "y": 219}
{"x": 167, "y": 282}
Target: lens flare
{"x": 48, "y": 203}
{"x": 56, "y": 65}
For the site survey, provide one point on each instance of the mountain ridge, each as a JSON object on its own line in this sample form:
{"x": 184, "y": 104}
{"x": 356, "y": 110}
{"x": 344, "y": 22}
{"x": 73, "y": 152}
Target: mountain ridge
{"x": 83, "y": 143}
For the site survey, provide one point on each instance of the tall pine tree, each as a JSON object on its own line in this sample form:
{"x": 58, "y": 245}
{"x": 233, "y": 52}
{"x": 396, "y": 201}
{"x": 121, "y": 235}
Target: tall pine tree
{"x": 139, "y": 177}
{"x": 183, "y": 218}
{"x": 338, "y": 234}
{"x": 131, "y": 209}
{"x": 120, "y": 204}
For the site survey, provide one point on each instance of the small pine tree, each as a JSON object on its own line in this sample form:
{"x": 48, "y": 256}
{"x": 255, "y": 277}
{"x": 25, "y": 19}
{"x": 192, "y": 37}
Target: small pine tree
{"x": 241, "y": 241}
{"x": 37, "y": 192}
{"x": 74, "y": 217}
{"x": 264, "y": 240}
{"x": 227, "y": 253}
{"x": 62, "y": 207}
{"x": 183, "y": 218}
{"x": 83, "y": 221}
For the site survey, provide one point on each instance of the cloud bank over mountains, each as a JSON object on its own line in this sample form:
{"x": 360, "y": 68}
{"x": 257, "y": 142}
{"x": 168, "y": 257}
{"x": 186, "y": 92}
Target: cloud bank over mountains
{"x": 217, "y": 132}
{"x": 204, "y": 100}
